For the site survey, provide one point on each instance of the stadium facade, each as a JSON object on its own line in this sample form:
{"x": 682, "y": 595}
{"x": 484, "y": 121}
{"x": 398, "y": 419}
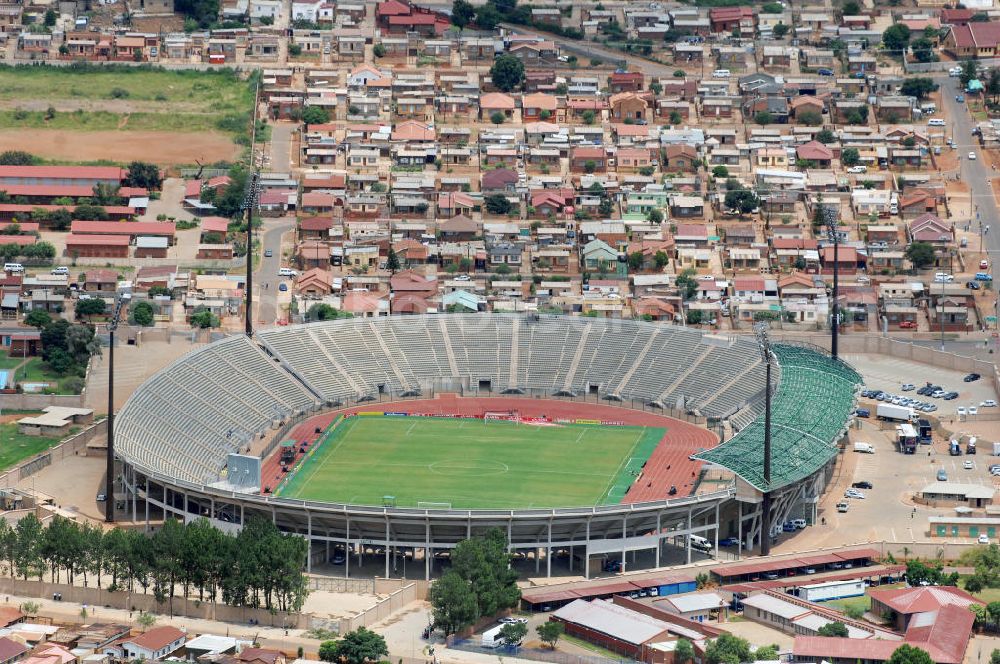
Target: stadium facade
{"x": 177, "y": 431}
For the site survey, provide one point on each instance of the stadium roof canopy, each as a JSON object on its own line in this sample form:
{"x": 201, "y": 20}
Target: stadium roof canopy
{"x": 816, "y": 396}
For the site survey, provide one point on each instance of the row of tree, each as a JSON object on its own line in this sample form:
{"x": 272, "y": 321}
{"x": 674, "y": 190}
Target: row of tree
{"x": 259, "y": 567}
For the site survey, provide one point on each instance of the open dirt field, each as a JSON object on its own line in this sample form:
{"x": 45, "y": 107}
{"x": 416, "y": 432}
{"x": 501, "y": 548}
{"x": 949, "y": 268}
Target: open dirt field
{"x": 163, "y": 148}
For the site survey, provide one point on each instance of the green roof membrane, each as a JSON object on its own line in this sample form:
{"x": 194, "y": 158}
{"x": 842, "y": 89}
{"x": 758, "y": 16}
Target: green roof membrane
{"x": 809, "y": 411}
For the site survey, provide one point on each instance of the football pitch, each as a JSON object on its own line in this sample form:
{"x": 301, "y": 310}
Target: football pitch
{"x": 471, "y": 463}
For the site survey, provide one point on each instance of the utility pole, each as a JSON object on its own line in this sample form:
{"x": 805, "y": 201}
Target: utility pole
{"x": 121, "y": 298}
{"x": 764, "y": 344}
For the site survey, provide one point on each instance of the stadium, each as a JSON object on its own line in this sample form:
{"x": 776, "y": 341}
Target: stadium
{"x": 582, "y": 438}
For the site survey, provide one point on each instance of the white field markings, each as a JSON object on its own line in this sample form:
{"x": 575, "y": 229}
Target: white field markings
{"x": 329, "y": 455}
{"x": 624, "y": 460}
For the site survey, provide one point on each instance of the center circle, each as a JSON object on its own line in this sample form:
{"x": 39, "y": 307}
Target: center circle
{"x": 460, "y": 468}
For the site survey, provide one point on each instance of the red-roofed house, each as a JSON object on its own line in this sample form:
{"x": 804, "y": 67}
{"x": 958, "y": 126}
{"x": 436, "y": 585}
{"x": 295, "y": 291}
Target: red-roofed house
{"x": 629, "y": 81}
{"x": 727, "y": 19}
{"x": 80, "y": 176}
{"x": 155, "y": 644}
{"x": 905, "y": 603}
{"x": 496, "y": 102}
{"x": 974, "y": 40}
{"x": 533, "y": 106}
{"x": 11, "y": 651}
{"x": 316, "y": 282}
{"x": 956, "y": 16}
{"x": 931, "y": 229}
{"x": 588, "y": 160}
{"x": 816, "y": 152}
{"x": 97, "y": 246}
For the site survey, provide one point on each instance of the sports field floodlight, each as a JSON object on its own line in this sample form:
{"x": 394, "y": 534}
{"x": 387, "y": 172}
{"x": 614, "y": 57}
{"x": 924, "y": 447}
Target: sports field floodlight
{"x": 247, "y": 207}
{"x": 830, "y": 219}
{"x": 766, "y": 355}
{"x": 122, "y": 297}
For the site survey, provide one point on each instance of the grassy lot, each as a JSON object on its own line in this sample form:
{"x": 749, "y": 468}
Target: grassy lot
{"x": 216, "y": 90}
{"x": 7, "y": 363}
{"x": 38, "y": 371}
{"x": 176, "y": 101}
{"x": 471, "y": 463}
{"x": 987, "y": 595}
{"x": 105, "y": 121}
{"x": 16, "y": 447}
{"x": 864, "y": 602}
{"x": 587, "y": 645}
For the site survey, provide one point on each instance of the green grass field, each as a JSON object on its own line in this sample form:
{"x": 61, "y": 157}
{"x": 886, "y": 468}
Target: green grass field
{"x": 470, "y": 463}
{"x": 15, "y": 447}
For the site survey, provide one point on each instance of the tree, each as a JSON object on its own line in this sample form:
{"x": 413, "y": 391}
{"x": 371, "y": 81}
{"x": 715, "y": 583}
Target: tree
{"x": 854, "y": 612}
{"x": 487, "y": 17}
{"x": 907, "y": 654}
{"x": 850, "y": 157}
{"x": 392, "y": 261}
{"x": 549, "y": 633}
{"x": 655, "y": 216}
{"x": 497, "y": 117}
{"x": 969, "y": 72}
{"x": 675, "y": 118}
{"x": 204, "y": 318}
{"x": 17, "y": 158}
{"x": 918, "y": 87}
{"x": 513, "y": 633}
{"x": 766, "y": 654}
{"x": 921, "y": 254}
{"x": 923, "y": 50}
{"x": 809, "y": 118}
{"x": 635, "y": 261}
{"x": 104, "y": 194}
{"x": 484, "y": 563}
{"x": 143, "y": 174}
{"x": 358, "y": 647}
{"x": 835, "y": 628}
{"x": 687, "y": 284}
{"x": 995, "y": 655}
{"x": 203, "y": 12}
{"x": 497, "y": 204}
{"x": 38, "y": 318}
{"x": 825, "y": 136}
{"x": 728, "y": 649}
{"x": 313, "y": 115}
{"x": 763, "y": 117}
{"x": 90, "y": 212}
{"x": 850, "y": 8}
{"x": 378, "y": 51}
{"x": 780, "y": 30}
{"x": 661, "y": 259}
{"x": 683, "y": 651}
{"x": 741, "y": 200}
{"x": 896, "y": 38}
{"x": 328, "y": 651}
{"x": 323, "y": 311}
{"x": 453, "y": 603}
{"x": 30, "y": 608}
{"x": 720, "y": 171}
{"x": 142, "y": 314}
{"x": 146, "y": 620}
{"x": 588, "y": 117}
{"x": 507, "y": 72}
{"x": 50, "y": 18}
{"x": 462, "y": 13}
{"x": 92, "y": 306}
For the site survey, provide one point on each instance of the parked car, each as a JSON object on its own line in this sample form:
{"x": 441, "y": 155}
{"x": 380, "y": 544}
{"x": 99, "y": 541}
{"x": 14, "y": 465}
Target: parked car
{"x": 961, "y": 410}
{"x": 857, "y": 169}
{"x": 843, "y": 506}
{"x": 799, "y": 523}
{"x": 983, "y": 538}
{"x": 863, "y": 412}
{"x": 973, "y": 285}
{"x": 989, "y": 403}
{"x": 972, "y": 410}
{"x": 972, "y": 156}
{"x": 972, "y": 377}
{"x": 268, "y": 253}
{"x": 967, "y": 464}
{"x": 951, "y": 396}
{"x": 729, "y": 541}
{"x": 906, "y": 387}
{"x": 942, "y": 475}
{"x": 908, "y": 325}
{"x": 863, "y": 484}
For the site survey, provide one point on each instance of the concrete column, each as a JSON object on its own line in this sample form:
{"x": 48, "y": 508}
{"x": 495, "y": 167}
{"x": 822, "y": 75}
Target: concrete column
{"x": 687, "y": 538}
{"x": 624, "y": 535}
{"x": 387, "y": 547}
{"x": 659, "y": 542}
{"x": 586, "y": 554}
{"x": 716, "y": 530}
{"x": 347, "y": 550}
{"x": 427, "y": 550}
{"x": 548, "y": 553}
{"x": 309, "y": 539}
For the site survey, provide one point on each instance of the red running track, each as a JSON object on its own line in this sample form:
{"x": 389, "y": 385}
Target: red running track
{"x": 668, "y": 465}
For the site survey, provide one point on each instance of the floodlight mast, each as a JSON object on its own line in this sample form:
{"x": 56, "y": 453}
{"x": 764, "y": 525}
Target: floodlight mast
{"x": 766, "y": 355}
{"x": 121, "y": 299}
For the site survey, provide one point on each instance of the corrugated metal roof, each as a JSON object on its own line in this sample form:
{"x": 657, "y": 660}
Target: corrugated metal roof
{"x": 615, "y": 621}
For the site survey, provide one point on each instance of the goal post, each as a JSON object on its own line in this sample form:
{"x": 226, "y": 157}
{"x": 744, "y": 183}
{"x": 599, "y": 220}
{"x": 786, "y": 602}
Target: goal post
{"x": 428, "y": 505}
{"x": 502, "y": 416}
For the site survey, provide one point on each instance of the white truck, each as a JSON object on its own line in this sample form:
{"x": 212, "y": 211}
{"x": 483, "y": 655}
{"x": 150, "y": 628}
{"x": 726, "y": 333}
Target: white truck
{"x": 996, "y": 449}
{"x": 864, "y": 448}
{"x": 888, "y": 411}
{"x": 491, "y": 638}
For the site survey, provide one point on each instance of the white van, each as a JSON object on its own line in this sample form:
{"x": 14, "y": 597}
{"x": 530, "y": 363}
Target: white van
{"x": 721, "y": 73}
{"x": 14, "y": 268}
{"x": 936, "y": 122}
{"x": 698, "y": 542}
{"x": 287, "y": 272}
{"x": 61, "y": 270}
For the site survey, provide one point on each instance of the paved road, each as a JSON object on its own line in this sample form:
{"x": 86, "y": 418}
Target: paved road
{"x": 977, "y": 173}
{"x": 280, "y": 147}
{"x": 588, "y": 49}
{"x": 266, "y": 278}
